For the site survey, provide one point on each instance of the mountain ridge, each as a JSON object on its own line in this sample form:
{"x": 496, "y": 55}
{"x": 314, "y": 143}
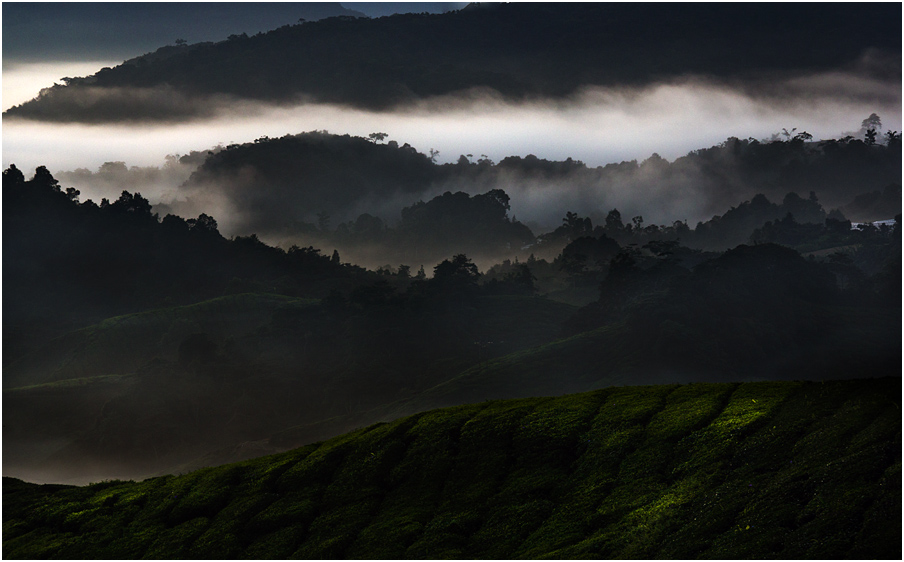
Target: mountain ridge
{"x": 517, "y": 50}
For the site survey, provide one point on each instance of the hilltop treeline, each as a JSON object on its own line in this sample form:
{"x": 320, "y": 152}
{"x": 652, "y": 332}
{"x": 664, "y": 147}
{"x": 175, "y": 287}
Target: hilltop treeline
{"x": 122, "y": 257}
{"x": 516, "y": 50}
{"x": 68, "y": 262}
{"x": 345, "y": 191}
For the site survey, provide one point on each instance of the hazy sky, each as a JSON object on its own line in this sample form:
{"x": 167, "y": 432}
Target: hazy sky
{"x": 377, "y": 9}
{"x": 41, "y": 31}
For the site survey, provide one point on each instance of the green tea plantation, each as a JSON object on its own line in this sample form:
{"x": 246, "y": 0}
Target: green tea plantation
{"x": 747, "y": 470}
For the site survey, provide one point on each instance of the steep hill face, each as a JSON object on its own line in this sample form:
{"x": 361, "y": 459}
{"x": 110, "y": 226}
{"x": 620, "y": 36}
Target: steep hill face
{"x": 775, "y": 470}
{"x": 517, "y": 50}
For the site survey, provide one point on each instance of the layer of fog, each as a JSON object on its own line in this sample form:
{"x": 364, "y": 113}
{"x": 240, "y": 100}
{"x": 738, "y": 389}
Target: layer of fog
{"x": 598, "y": 126}
{"x": 22, "y": 81}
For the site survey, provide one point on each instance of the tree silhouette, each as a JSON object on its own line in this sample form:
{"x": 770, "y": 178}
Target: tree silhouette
{"x": 204, "y": 224}
{"x": 870, "y": 137}
{"x": 614, "y": 222}
{"x": 459, "y": 271}
{"x": 871, "y": 122}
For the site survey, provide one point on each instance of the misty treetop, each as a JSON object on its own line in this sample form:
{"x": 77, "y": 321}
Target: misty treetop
{"x": 297, "y": 175}
{"x": 65, "y": 260}
{"x": 276, "y": 186}
{"x": 314, "y": 186}
{"x": 457, "y": 220}
{"x": 274, "y": 182}
{"x": 516, "y": 50}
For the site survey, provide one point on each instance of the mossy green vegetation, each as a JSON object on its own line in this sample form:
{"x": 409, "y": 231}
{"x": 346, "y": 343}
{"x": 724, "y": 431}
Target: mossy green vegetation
{"x": 734, "y": 470}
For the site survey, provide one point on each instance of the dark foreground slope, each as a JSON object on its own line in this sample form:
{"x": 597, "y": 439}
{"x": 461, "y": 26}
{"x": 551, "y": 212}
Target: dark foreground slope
{"x": 777, "y": 469}
{"x": 146, "y": 394}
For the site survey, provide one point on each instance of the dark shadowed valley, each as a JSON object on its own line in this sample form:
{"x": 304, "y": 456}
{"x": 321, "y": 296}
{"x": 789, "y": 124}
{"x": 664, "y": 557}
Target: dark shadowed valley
{"x": 347, "y": 343}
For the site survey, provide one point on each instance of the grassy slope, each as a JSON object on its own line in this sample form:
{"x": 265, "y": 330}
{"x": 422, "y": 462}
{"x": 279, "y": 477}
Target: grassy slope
{"x": 43, "y": 420}
{"x": 771, "y": 469}
{"x": 851, "y": 344}
{"x": 596, "y": 359}
{"x": 108, "y": 387}
{"x": 124, "y": 343}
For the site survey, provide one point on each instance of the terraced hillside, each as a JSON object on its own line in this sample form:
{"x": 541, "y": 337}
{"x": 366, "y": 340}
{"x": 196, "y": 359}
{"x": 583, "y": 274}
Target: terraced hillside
{"x": 768, "y": 469}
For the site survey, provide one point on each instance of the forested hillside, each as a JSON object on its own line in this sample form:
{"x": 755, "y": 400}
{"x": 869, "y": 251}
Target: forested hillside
{"x": 361, "y": 196}
{"x": 516, "y": 50}
{"x": 168, "y": 339}
{"x": 69, "y": 264}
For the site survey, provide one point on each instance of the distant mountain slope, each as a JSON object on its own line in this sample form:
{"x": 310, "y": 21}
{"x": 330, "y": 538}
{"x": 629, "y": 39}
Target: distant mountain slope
{"x": 275, "y": 184}
{"x": 759, "y": 470}
{"x": 516, "y": 49}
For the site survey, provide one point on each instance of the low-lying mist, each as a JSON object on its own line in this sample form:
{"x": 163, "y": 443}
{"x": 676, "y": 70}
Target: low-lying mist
{"x": 598, "y": 126}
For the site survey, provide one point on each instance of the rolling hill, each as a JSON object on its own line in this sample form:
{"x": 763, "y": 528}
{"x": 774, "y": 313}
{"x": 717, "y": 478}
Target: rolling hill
{"x": 148, "y": 393}
{"x": 124, "y": 343}
{"x": 755, "y": 470}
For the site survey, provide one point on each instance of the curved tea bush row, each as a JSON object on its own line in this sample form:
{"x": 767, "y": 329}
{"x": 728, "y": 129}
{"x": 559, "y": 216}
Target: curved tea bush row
{"x": 770, "y": 469}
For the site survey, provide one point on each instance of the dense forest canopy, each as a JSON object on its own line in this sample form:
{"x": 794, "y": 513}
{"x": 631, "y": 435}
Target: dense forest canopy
{"x": 298, "y": 188}
{"x": 361, "y": 195}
